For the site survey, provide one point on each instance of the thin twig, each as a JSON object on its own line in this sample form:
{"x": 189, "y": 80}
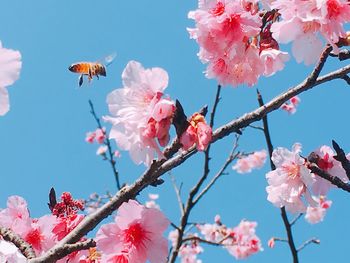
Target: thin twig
{"x": 174, "y": 226}
{"x": 107, "y": 143}
{"x": 296, "y": 219}
{"x": 232, "y": 156}
{"x": 287, "y": 225}
{"x": 23, "y": 246}
{"x": 178, "y": 195}
{"x": 195, "y": 238}
{"x": 256, "y": 127}
{"x": 280, "y": 239}
{"x": 347, "y": 79}
{"x": 160, "y": 167}
{"x": 216, "y": 102}
{"x": 308, "y": 242}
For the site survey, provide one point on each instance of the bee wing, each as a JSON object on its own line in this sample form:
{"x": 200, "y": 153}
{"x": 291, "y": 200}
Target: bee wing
{"x": 109, "y": 59}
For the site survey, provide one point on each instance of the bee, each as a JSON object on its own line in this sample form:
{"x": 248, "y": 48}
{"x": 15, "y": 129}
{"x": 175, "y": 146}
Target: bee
{"x": 91, "y": 69}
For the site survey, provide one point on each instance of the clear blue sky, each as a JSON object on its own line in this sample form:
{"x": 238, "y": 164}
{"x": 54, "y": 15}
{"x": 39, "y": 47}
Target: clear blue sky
{"x": 42, "y": 137}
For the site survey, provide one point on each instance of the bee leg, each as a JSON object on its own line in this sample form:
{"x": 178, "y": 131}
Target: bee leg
{"x": 97, "y": 77}
{"x": 80, "y": 80}
{"x": 90, "y": 75}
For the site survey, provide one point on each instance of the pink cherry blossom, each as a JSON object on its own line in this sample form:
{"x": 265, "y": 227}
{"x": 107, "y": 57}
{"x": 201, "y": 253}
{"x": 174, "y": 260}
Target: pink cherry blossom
{"x": 273, "y": 60}
{"x": 271, "y": 242}
{"x": 198, "y": 132}
{"x": 304, "y": 21}
{"x": 327, "y": 163}
{"x": 316, "y": 214}
{"x": 224, "y": 30}
{"x": 101, "y": 150}
{"x": 9, "y": 253}
{"x": 135, "y": 235}
{"x": 90, "y": 137}
{"x": 117, "y": 154}
{"x": 100, "y": 135}
{"x": 151, "y": 203}
{"x": 189, "y": 251}
{"x": 252, "y": 161}
{"x": 243, "y": 242}
{"x": 213, "y": 232}
{"x": 141, "y": 118}
{"x": 10, "y": 66}
{"x": 16, "y": 215}
{"x": 291, "y": 105}
{"x": 291, "y": 181}
{"x": 40, "y": 235}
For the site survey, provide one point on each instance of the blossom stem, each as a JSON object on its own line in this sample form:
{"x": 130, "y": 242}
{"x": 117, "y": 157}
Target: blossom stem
{"x": 232, "y": 156}
{"x": 107, "y": 143}
{"x": 216, "y": 102}
{"x": 296, "y": 219}
{"x": 308, "y": 242}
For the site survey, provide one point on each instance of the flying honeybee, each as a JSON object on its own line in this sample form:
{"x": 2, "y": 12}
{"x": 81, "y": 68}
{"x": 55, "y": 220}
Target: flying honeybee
{"x": 91, "y": 69}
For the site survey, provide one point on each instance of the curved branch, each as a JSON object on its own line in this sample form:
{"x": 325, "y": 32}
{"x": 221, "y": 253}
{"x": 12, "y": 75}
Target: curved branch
{"x": 10, "y": 236}
{"x": 160, "y": 167}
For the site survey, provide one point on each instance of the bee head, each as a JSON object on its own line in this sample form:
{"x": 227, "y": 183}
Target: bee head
{"x": 72, "y": 68}
{"x": 102, "y": 71}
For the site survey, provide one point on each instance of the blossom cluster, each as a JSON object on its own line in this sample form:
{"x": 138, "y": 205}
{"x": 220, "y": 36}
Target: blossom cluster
{"x": 304, "y": 22}
{"x": 135, "y": 236}
{"x": 295, "y": 187}
{"x": 246, "y": 164}
{"x": 240, "y": 241}
{"x": 41, "y": 233}
{"x": 291, "y": 105}
{"x": 240, "y": 41}
{"x": 198, "y": 132}
{"x": 141, "y": 116}
{"x": 233, "y": 43}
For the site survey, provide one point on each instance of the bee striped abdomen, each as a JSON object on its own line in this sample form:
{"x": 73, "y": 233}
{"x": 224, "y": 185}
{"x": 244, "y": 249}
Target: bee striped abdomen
{"x": 82, "y": 68}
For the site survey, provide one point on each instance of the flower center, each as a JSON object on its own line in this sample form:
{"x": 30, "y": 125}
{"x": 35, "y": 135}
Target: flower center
{"x": 292, "y": 170}
{"x": 325, "y": 163}
{"x": 34, "y": 238}
{"x": 218, "y": 10}
{"x": 135, "y": 235}
{"x": 333, "y": 8}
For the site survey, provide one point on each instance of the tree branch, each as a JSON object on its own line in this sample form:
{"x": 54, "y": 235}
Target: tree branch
{"x": 66, "y": 249}
{"x": 178, "y": 195}
{"x": 10, "y": 236}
